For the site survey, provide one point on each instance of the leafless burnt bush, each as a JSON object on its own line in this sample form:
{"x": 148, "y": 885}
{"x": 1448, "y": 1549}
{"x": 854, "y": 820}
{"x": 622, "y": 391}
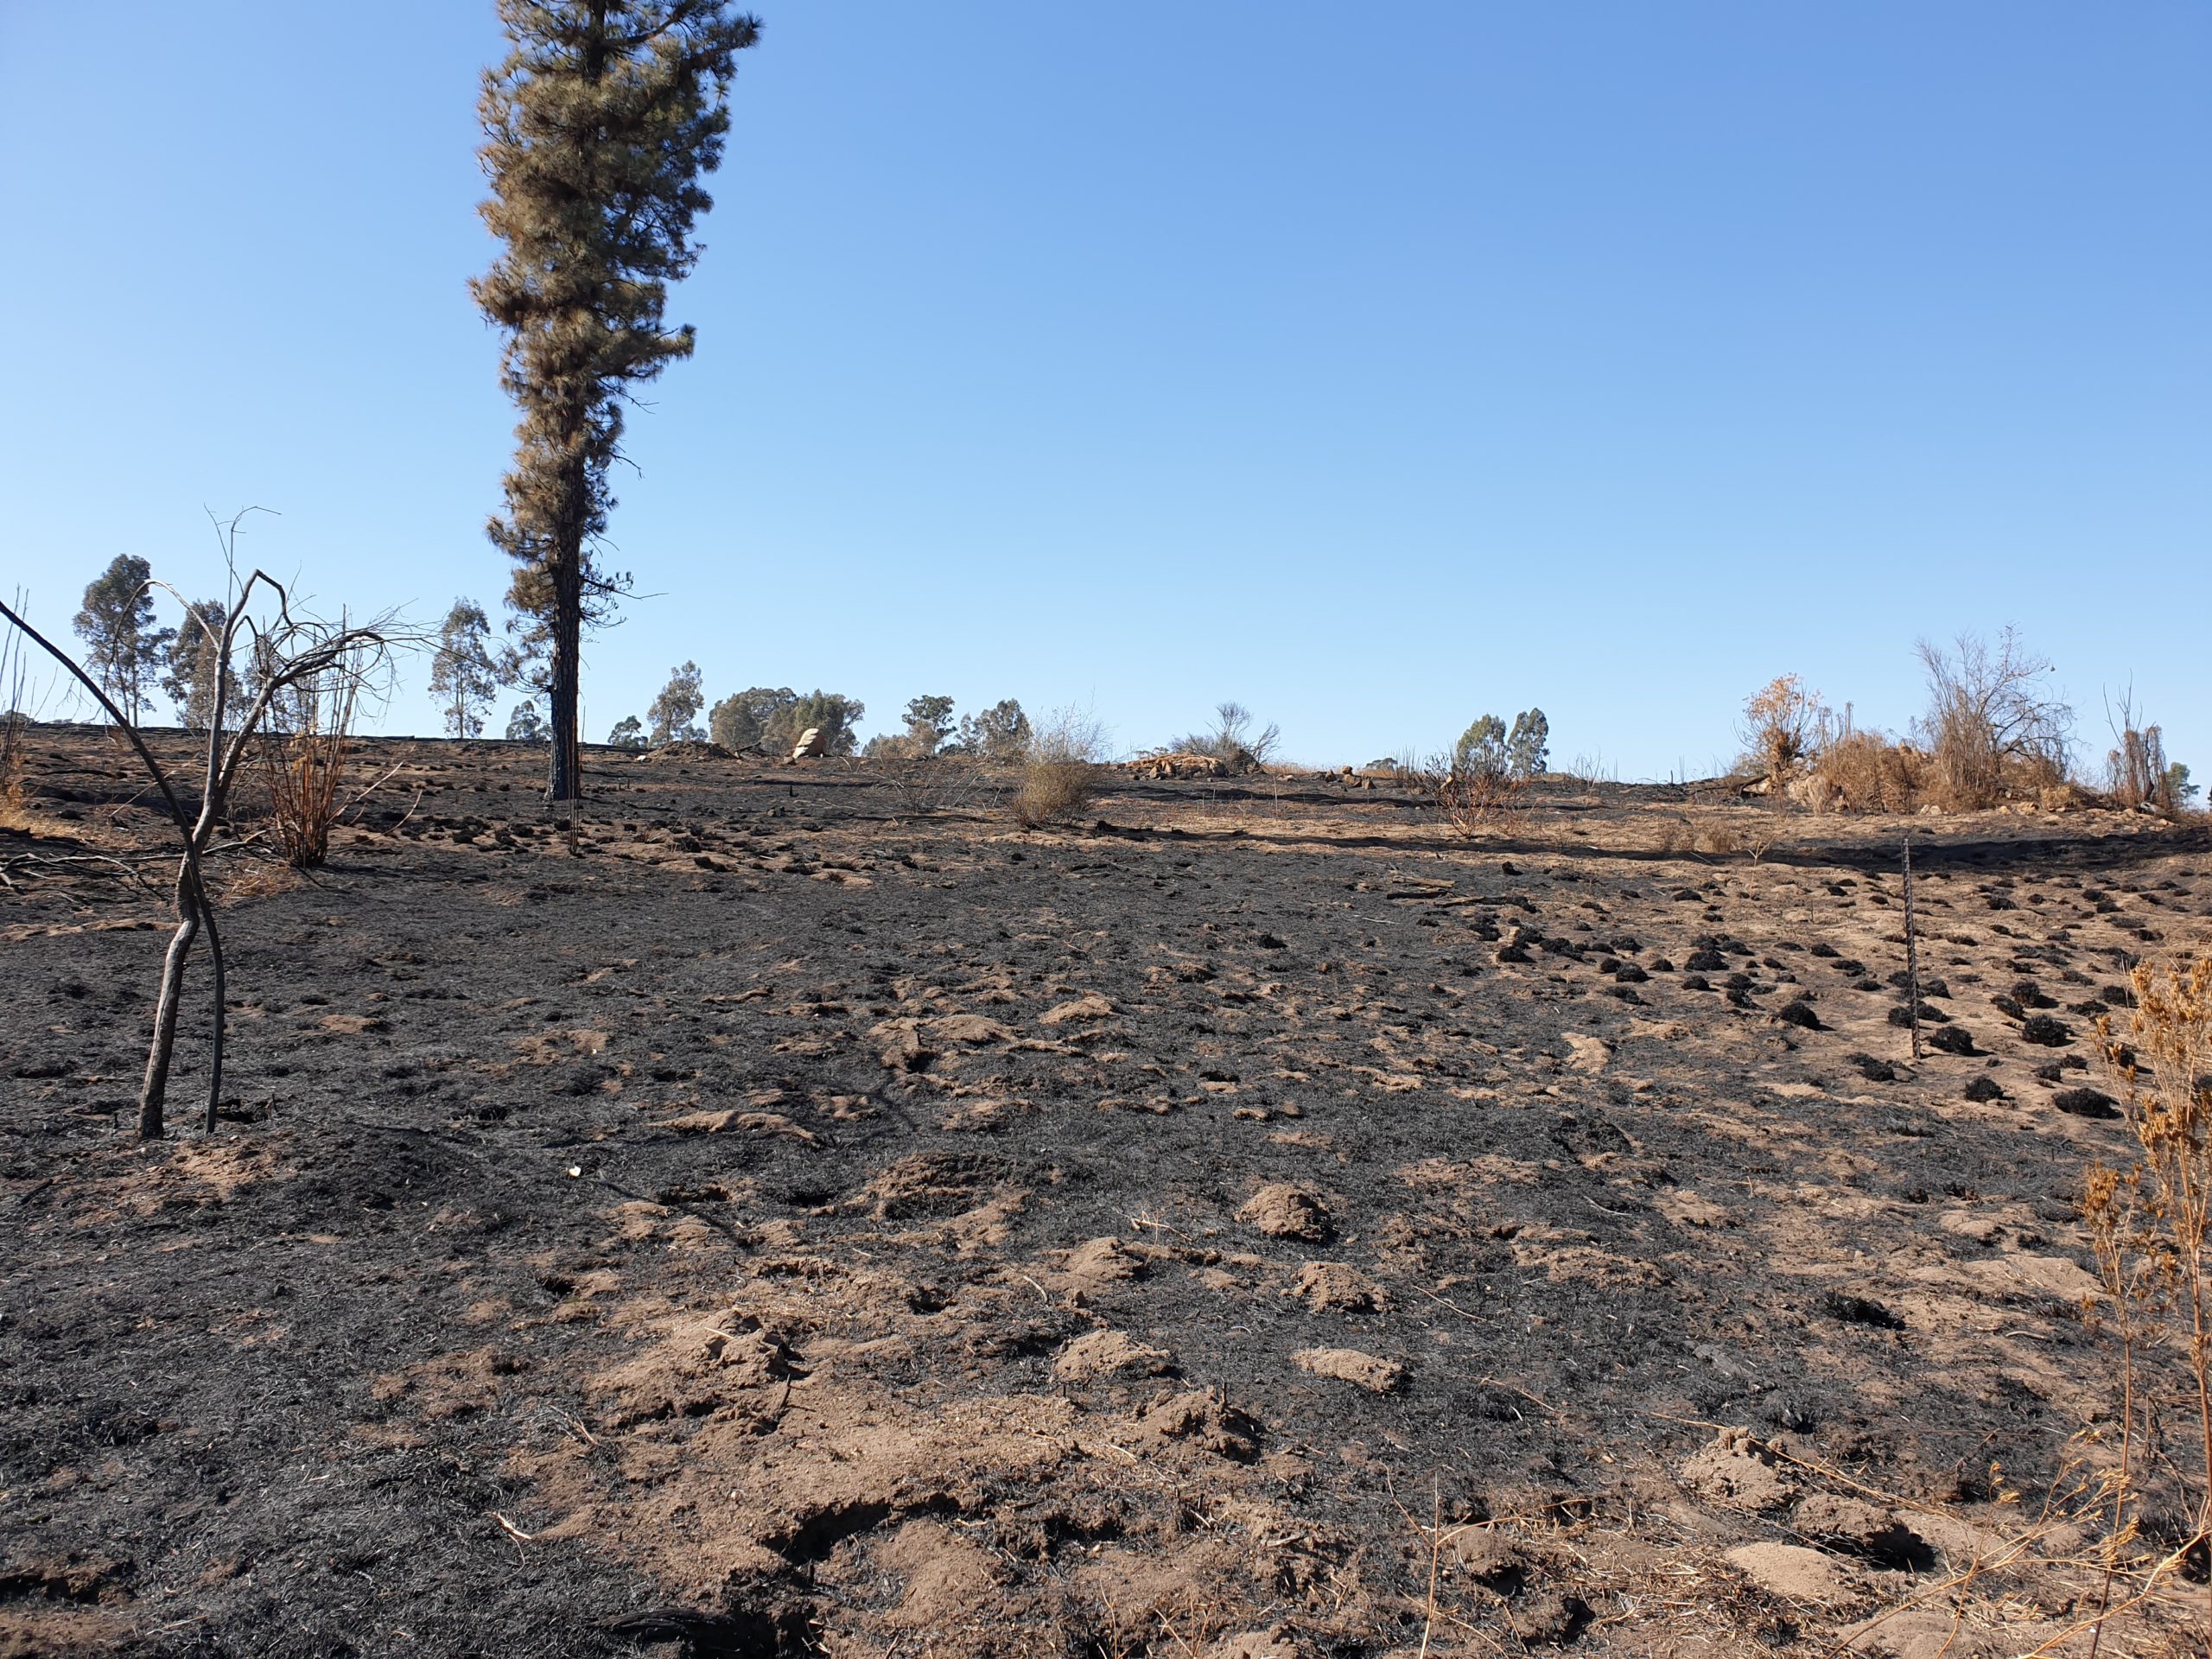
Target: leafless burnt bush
{"x": 1474, "y": 800}
{"x": 923, "y": 784}
{"x": 1059, "y": 772}
{"x": 1994, "y": 729}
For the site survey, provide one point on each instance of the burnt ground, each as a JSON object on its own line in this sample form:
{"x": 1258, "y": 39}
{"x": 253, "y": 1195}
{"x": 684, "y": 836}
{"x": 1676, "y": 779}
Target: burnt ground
{"x": 795, "y": 1220}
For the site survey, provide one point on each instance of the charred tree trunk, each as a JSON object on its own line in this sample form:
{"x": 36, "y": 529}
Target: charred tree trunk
{"x": 155, "y": 1090}
{"x": 566, "y": 782}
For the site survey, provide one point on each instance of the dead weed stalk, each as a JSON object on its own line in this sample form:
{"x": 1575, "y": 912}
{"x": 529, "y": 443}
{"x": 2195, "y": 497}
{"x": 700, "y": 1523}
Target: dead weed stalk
{"x": 2149, "y": 1226}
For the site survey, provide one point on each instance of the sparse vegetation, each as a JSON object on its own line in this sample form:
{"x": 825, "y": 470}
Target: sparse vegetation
{"x": 2137, "y": 771}
{"x": 2149, "y": 1225}
{"x": 305, "y": 735}
{"x": 1865, "y": 771}
{"x": 1235, "y": 740}
{"x": 1060, "y": 770}
{"x": 15, "y": 724}
{"x": 296, "y": 658}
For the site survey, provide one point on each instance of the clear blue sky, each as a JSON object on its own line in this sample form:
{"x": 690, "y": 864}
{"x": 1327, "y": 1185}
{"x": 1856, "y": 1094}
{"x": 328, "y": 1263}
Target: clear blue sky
{"x": 1376, "y": 367}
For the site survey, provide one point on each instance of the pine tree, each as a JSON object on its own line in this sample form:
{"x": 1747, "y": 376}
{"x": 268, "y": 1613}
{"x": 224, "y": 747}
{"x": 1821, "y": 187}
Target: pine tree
{"x": 463, "y": 676}
{"x": 600, "y": 123}
{"x": 123, "y": 650}
{"x": 629, "y": 733}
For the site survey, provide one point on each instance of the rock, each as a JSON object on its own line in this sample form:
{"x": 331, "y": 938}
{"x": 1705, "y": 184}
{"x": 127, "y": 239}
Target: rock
{"x": 1282, "y": 1210}
{"x": 1738, "y": 1471}
{"x": 1794, "y": 1572}
{"x": 1183, "y": 764}
{"x": 1349, "y": 1365}
{"x": 811, "y": 745}
{"x": 1335, "y": 1287}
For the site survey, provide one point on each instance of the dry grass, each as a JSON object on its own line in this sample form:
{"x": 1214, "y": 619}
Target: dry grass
{"x": 1701, "y": 837}
{"x": 1865, "y": 771}
{"x": 1059, "y": 773}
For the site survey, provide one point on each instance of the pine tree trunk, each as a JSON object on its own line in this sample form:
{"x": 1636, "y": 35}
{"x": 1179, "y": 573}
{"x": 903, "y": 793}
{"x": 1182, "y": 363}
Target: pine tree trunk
{"x": 567, "y": 780}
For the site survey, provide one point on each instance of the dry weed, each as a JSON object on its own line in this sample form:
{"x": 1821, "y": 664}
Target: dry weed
{"x": 2149, "y": 1226}
{"x": 1059, "y": 775}
{"x": 304, "y": 748}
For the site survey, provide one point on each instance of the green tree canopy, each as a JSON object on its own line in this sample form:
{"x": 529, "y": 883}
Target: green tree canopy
{"x": 676, "y": 707}
{"x": 195, "y": 665}
{"x": 1000, "y": 733}
{"x": 741, "y": 719}
{"x": 463, "y": 675}
{"x": 122, "y": 648}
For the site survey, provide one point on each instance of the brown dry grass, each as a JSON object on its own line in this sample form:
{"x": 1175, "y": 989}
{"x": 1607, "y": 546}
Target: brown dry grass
{"x": 1865, "y": 771}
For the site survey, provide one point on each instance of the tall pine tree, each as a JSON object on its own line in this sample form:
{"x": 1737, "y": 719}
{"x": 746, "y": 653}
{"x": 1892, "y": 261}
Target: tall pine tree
{"x": 599, "y": 125}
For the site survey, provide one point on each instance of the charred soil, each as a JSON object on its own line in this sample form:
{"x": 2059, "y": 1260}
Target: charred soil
{"x": 759, "y": 1219}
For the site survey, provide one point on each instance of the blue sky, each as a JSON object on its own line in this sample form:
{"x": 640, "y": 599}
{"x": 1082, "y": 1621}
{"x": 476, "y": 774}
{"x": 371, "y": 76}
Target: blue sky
{"x": 1376, "y": 368}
